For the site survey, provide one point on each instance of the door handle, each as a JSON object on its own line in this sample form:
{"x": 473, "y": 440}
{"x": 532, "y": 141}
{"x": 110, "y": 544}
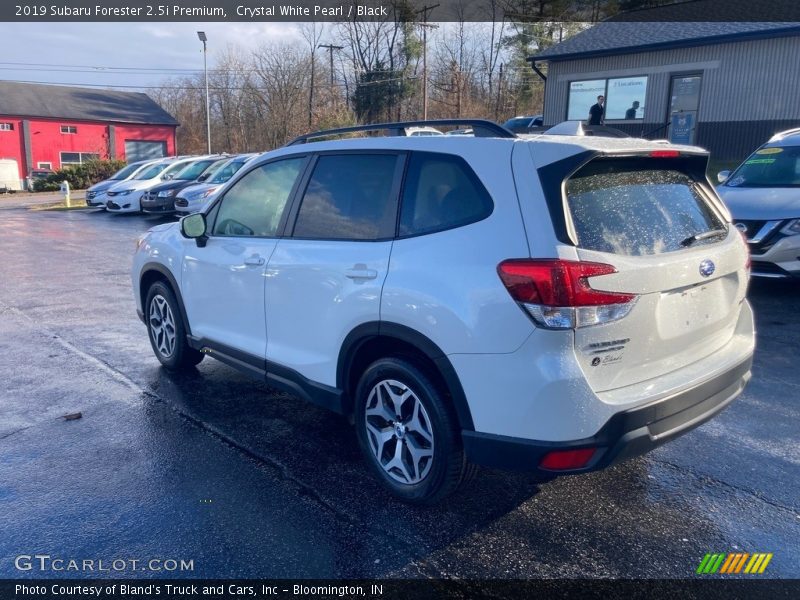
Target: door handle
{"x": 361, "y": 273}
{"x": 255, "y": 260}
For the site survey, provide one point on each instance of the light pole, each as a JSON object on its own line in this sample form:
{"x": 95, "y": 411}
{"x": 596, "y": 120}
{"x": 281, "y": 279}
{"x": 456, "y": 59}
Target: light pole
{"x": 201, "y": 35}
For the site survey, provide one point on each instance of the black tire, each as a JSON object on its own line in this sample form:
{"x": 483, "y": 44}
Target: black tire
{"x": 448, "y": 467}
{"x": 178, "y": 355}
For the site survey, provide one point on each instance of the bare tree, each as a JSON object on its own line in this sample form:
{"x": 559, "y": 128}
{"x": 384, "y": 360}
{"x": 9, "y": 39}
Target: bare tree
{"x": 312, "y": 34}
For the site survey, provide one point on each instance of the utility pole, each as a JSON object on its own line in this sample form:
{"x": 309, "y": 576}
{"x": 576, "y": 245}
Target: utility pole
{"x": 499, "y": 88}
{"x": 425, "y": 25}
{"x": 311, "y": 93}
{"x": 201, "y": 35}
{"x": 331, "y": 48}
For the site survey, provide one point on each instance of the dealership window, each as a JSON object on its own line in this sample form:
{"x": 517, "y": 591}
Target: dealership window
{"x": 625, "y": 97}
{"x": 6, "y": 127}
{"x": 77, "y": 158}
{"x": 45, "y": 165}
{"x": 69, "y": 129}
{"x": 582, "y": 94}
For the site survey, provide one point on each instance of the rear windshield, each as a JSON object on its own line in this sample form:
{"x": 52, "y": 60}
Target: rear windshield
{"x": 624, "y": 209}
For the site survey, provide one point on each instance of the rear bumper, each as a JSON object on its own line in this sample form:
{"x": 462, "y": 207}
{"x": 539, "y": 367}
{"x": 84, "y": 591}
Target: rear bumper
{"x": 627, "y": 434}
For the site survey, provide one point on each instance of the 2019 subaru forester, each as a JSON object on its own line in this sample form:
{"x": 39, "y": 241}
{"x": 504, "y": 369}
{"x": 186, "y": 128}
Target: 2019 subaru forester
{"x": 553, "y": 303}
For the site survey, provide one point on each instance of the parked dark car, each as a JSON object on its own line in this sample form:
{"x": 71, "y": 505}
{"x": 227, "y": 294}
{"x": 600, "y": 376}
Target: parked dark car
{"x": 160, "y": 199}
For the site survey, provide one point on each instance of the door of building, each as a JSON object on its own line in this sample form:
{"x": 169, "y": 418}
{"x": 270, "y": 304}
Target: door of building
{"x": 684, "y": 102}
{"x": 136, "y": 150}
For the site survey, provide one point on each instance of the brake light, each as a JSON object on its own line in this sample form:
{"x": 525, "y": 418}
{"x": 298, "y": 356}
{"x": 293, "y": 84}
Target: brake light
{"x": 557, "y": 295}
{"x": 563, "y": 460}
{"x": 665, "y": 154}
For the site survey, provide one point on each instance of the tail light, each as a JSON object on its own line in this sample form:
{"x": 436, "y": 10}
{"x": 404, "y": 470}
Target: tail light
{"x": 665, "y": 154}
{"x": 557, "y": 295}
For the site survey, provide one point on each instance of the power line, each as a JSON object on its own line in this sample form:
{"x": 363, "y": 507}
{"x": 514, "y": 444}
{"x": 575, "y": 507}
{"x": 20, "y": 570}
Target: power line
{"x": 102, "y": 68}
{"x": 189, "y": 87}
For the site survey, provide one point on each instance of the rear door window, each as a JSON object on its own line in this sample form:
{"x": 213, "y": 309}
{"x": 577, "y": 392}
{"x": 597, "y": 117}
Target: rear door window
{"x": 349, "y": 197}
{"x": 624, "y": 207}
{"x": 441, "y": 192}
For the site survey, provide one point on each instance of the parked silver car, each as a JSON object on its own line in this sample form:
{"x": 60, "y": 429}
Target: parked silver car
{"x": 194, "y": 197}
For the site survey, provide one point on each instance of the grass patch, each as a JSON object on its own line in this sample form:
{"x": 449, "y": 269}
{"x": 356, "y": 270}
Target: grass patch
{"x": 74, "y": 205}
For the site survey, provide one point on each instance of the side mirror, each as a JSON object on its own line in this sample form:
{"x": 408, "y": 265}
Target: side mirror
{"x": 722, "y": 176}
{"x": 203, "y": 177}
{"x": 194, "y": 227}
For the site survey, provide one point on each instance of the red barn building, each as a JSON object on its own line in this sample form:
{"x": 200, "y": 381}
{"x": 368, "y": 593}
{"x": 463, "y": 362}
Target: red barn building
{"x": 51, "y": 126}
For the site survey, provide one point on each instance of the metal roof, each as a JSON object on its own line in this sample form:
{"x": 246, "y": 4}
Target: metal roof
{"x": 80, "y": 104}
{"x": 625, "y": 37}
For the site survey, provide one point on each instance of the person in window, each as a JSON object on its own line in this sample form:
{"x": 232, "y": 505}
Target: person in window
{"x": 597, "y": 112}
{"x": 631, "y": 112}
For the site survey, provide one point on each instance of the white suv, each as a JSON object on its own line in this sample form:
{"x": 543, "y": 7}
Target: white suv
{"x": 554, "y": 304}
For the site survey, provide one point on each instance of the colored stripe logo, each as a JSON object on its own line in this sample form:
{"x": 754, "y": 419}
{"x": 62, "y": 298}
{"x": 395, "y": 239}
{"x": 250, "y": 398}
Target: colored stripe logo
{"x": 733, "y": 563}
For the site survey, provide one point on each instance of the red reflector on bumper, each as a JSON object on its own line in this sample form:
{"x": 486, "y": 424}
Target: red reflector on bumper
{"x": 563, "y": 460}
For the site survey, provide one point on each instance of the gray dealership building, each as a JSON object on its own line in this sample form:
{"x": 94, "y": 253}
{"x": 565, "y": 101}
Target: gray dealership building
{"x": 726, "y": 86}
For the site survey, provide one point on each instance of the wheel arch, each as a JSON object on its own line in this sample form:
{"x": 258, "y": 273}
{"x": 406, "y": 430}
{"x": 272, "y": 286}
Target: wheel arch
{"x": 370, "y": 341}
{"x": 153, "y": 272}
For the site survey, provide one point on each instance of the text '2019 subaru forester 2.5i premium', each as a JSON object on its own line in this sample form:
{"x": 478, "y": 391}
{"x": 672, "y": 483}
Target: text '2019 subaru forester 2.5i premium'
{"x": 555, "y": 304}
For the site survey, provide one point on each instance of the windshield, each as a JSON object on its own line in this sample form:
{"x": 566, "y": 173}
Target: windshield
{"x": 173, "y": 169}
{"x": 151, "y": 172}
{"x": 193, "y": 170}
{"x": 211, "y": 171}
{"x": 769, "y": 167}
{"x": 226, "y": 172}
{"x": 125, "y": 172}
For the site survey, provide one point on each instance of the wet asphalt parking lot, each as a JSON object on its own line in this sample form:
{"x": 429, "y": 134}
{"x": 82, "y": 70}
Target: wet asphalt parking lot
{"x": 219, "y": 469}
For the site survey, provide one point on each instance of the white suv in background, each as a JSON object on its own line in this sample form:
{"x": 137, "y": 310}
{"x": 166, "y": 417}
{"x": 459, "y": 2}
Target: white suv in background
{"x": 555, "y": 304}
{"x": 763, "y": 194}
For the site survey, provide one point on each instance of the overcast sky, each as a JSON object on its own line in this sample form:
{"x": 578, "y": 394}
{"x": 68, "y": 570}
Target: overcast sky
{"x": 151, "y": 45}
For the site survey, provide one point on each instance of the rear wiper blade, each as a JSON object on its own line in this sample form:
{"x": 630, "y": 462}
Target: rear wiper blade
{"x": 704, "y": 236}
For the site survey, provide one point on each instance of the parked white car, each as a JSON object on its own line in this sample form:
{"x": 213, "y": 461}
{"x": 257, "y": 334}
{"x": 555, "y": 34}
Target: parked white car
{"x": 95, "y": 195}
{"x": 555, "y": 304}
{"x": 126, "y": 196}
{"x": 424, "y": 131}
{"x": 763, "y": 195}
{"x": 195, "y": 197}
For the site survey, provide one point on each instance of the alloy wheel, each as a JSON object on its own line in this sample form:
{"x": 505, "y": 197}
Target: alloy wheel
{"x": 162, "y": 325}
{"x": 399, "y": 431}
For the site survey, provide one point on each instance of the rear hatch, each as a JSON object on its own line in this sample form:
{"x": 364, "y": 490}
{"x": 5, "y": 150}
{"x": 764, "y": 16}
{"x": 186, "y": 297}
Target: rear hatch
{"x": 658, "y": 223}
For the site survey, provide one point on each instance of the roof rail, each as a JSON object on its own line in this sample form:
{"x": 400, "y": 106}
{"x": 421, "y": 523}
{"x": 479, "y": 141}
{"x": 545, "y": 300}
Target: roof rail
{"x": 784, "y": 134}
{"x": 481, "y": 127}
